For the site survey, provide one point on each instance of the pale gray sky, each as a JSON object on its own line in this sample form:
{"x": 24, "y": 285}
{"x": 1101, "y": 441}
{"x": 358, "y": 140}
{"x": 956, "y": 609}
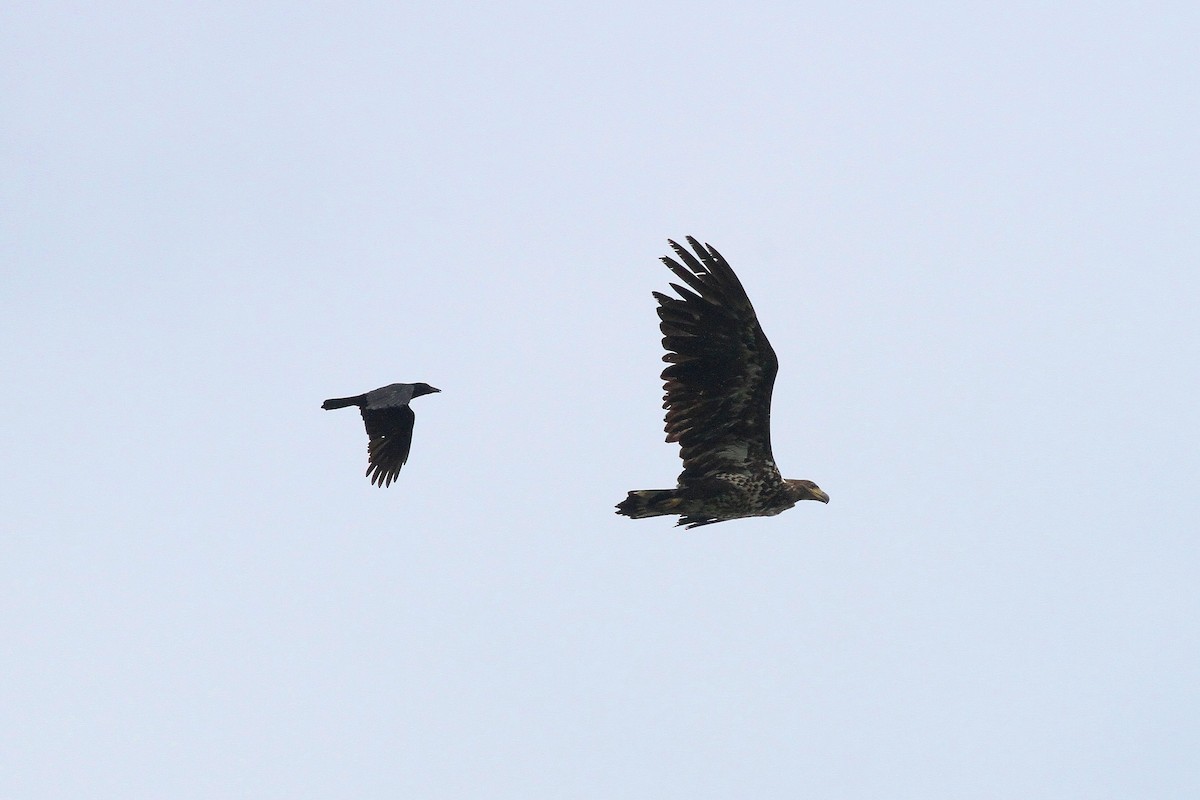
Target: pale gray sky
{"x": 969, "y": 229}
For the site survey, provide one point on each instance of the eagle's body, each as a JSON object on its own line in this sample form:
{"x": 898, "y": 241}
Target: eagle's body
{"x": 389, "y": 423}
{"x": 718, "y": 401}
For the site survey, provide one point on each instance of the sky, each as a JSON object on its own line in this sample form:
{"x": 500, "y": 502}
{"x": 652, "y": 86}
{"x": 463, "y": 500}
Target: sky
{"x": 969, "y": 230}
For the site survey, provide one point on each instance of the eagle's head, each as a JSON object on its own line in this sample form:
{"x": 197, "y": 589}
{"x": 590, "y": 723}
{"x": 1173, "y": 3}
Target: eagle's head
{"x": 806, "y": 490}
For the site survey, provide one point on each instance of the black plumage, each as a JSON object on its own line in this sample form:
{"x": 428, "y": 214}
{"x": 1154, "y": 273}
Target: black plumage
{"x": 389, "y": 423}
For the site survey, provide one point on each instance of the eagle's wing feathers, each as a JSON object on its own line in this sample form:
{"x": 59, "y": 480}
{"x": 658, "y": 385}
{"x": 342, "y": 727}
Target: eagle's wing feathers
{"x": 722, "y": 369}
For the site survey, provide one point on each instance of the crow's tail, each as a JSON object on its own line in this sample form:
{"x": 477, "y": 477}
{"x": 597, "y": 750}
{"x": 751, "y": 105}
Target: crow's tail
{"x": 342, "y": 402}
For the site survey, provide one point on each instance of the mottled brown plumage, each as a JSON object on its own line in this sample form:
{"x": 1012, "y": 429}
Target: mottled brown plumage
{"x": 718, "y": 401}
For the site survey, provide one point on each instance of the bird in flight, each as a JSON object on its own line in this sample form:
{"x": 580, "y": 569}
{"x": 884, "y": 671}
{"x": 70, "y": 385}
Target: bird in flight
{"x": 389, "y": 423}
{"x": 718, "y": 401}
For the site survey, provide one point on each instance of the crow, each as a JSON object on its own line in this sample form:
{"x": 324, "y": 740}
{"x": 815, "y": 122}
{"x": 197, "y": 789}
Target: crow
{"x": 389, "y": 423}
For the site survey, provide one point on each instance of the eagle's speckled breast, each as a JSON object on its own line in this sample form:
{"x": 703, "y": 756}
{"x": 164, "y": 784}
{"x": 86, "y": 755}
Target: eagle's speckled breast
{"x": 747, "y": 496}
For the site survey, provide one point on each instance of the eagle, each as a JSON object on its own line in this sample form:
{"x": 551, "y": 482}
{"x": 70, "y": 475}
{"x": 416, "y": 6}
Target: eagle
{"x": 389, "y": 423}
{"x": 718, "y": 401}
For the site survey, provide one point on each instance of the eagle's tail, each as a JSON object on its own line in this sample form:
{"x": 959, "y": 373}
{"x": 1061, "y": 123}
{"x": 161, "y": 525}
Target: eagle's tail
{"x": 342, "y": 402}
{"x": 650, "y": 503}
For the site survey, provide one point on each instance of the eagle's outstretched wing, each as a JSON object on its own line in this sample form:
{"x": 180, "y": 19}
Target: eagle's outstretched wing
{"x": 722, "y": 369}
